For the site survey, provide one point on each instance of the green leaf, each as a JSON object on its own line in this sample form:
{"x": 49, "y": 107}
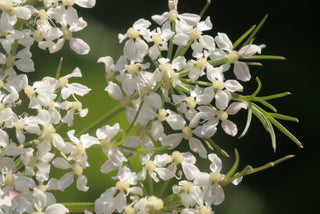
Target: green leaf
{"x": 266, "y": 123}
{"x": 205, "y": 8}
{"x": 265, "y": 103}
{"x": 218, "y": 148}
{"x": 249, "y": 39}
{"x": 268, "y": 57}
{"x": 285, "y": 131}
{"x": 283, "y": 117}
{"x": 241, "y": 38}
{"x": 249, "y": 117}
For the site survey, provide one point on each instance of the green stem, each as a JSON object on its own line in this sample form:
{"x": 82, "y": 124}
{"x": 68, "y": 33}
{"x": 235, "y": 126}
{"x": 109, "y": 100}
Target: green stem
{"x": 196, "y": 82}
{"x": 79, "y": 206}
{"x": 135, "y": 117}
{"x": 100, "y": 122}
{"x": 263, "y": 57}
{"x": 173, "y": 29}
{"x": 205, "y": 8}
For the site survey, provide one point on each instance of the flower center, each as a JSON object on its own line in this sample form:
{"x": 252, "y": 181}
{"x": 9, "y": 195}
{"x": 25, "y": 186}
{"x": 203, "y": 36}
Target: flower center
{"x": 162, "y": 115}
{"x": 154, "y": 203}
{"x": 133, "y": 68}
{"x": 5, "y": 4}
{"x": 218, "y": 84}
{"x": 215, "y": 176}
{"x": 105, "y": 143}
{"x": 233, "y": 56}
{"x": 132, "y": 33}
{"x": 62, "y": 82}
{"x": 177, "y": 157}
{"x": 42, "y": 14}
{"x": 68, "y": 2}
{"x": 187, "y": 186}
{"x": 77, "y": 169}
{"x": 37, "y": 35}
{"x": 150, "y": 166}
{"x": 122, "y": 185}
{"x": 195, "y": 34}
{"x": 187, "y": 132}
{"x": 201, "y": 62}
{"x": 76, "y": 105}
{"x": 80, "y": 149}
{"x": 173, "y": 15}
{"x": 156, "y": 39}
{"x": 10, "y": 61}
{"x": 191, "y": 103}
{"x": 28, "y": 90}
{"x": 1, "y": 106}
{"x": 19, "y": 125}
{"x": 222, "y": 115}
{"x": 205, "y": 210}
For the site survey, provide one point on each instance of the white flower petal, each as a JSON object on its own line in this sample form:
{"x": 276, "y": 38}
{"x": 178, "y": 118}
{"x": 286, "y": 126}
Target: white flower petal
{"x": 241, "y": 70}
{"x": 229, "y": 127}
{"x": 79, "y": 46}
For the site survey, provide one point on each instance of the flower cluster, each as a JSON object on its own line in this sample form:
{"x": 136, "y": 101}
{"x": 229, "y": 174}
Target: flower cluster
{"x": 172, "y": 83}
{"x": 32, "y": 113}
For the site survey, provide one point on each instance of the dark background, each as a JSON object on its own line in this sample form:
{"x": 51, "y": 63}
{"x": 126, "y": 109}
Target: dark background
{"x": 291, "y": 31}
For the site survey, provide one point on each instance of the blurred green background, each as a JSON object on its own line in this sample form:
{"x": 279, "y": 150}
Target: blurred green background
{"x": 291, "y": 31}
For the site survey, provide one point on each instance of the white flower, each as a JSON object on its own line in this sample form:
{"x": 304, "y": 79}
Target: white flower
{"x": 115, "y": 156}
{"x": 241, "y": 69}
